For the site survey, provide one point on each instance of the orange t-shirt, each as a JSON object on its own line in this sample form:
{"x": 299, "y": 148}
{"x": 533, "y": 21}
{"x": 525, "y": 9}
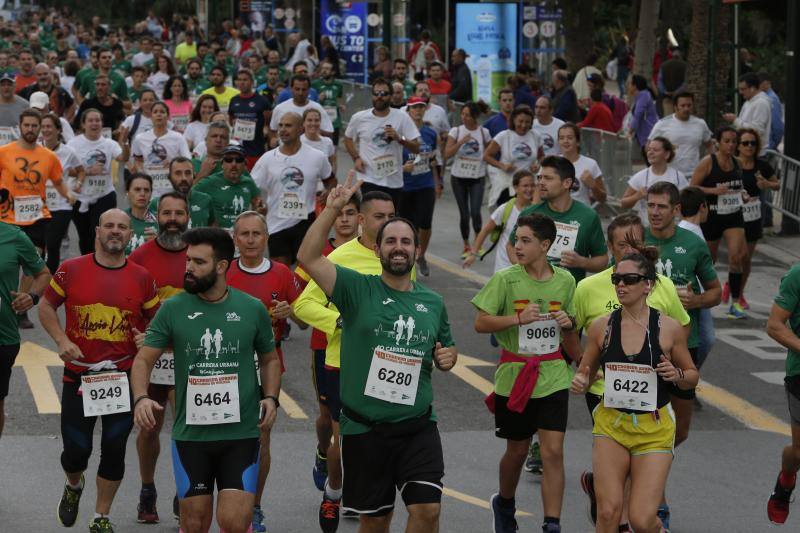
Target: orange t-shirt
{"x": 25, "y": 173}
{"x": 23, "y": 81}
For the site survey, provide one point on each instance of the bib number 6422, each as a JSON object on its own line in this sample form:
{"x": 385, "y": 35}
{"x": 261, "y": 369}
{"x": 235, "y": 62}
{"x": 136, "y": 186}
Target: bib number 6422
{"x": 629, "y": 385}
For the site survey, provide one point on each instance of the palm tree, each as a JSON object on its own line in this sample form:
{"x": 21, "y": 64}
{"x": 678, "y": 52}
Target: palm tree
{"x": 646, "y": 38}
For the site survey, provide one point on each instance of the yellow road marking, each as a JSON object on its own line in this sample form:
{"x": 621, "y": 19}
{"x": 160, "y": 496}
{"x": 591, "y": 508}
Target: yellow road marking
{"x": 291, "y": 407}
{"x": 34, "y": 361}
{"x": 465, "y": 373}
{"x": 472, "y": 500}
{"x": 745, "y": 412}
{"x": 449, "y": 266}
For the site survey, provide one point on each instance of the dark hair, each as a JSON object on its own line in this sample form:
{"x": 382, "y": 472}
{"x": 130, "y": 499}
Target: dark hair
{"x": 168, "y": 88}
{"x": 299, "y": 77}
{"x": 504, "y": 90}
{"x": 247, "y": 72}
{"x": 162, "y": 104}
{"x": 476, "y": 109}
{"x": 86, "y": 114}
{"x": 560, "y": 62}
{"x": 563, "y": 166}
{"x": 542, "y": 226}
{"x": 722, "y": 130}
{"x": 219, "y": 240}
{"x": 300, "y": 62}
{"x": 519, "y": 174}
{"x": 137, "y": 176}
{"x": 763, "y": 76}
{"x": 639, "y": 81}
{"x": 666, "y": 145}
{"x": 180, "y": 159}
{"x": 219, "y": 68}
{"x": 385, "y": 82}
{"x": 173, "y": 194}
{"x": 194, "y": 60}
{"x": 665, "y": 187}
{"x": 401, "y": 60}
{"x": 148, "y": 91}
{"x": 355, "y": 200}
{"x": 379, "y": 236}
{"x": 31, "y": 113}
{"x": 596, "y": 95}
{"x": 521, "y": 109}
{"x": 373, "y": 196}
{"x": 195, "y": 116}
{"x": 692, "y": 199}
{"x": 684, "y": 94}
{"x": 56, "y": 123}
{"x": 72, "y": 67}
{"x": 139, "y": 68}
{"x": 170, "y": 66}
{"x": 645, "y": 259}
{"x": 750, "y": 78}
{"x": 751, "y": 131}
{"x": 575, "y": 130}
{"x": 626, "y": 220}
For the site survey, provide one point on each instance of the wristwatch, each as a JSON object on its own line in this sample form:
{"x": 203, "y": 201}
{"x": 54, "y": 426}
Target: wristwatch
{"x": 34, "y": 297}
{"x": 274, "y": 399}
{"x": 339, "y": 322}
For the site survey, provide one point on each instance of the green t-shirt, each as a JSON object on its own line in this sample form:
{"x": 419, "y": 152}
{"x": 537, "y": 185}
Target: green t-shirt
{"x": 377, "y": 317}
{"x": 197, "y": 163}
{"x": 200, "y": 209}
{"x": 138, "y": 226}
{"x": 684, "y": 258}
{"x": 329, "y": 94}
{"x": 507, "y": 292}
{"x": 118, "y": 85}
{"x": 123, "y": 67}
{"x": 788, "y": 299}
{"x": 408, "y": 87}
{"x": 260, "y": 76}
{"x": 211, "y": 339}
{"x": 197, "y": 86}
{"x": 16, "y": 250}
{"x": 134, "y": 94}
{"x": 228, "y": 199}
{"x": 590, "y": 241}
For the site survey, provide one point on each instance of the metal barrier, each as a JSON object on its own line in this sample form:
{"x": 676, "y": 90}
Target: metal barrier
{"x": 786, "y": 200}
{"x": 613, "y": 155}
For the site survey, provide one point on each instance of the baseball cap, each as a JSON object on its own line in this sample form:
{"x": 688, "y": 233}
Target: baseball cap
{"x": 39, "y": 100}
{"x": 7, "y": 76}
{"x": 233, "y": 149}
{"x": 415, "y": 100}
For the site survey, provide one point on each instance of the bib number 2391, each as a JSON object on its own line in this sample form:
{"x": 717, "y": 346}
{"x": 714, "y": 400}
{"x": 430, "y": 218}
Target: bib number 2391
{"x": 212, "y": 400}
{"x": 630, "y": 386}
{"x": 107, "y": 393}
{"x": 393, "y": 378}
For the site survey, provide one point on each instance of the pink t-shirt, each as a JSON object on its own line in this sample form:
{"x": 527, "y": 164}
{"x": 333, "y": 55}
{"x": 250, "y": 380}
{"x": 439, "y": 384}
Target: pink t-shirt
{"x": 179, "y": 113}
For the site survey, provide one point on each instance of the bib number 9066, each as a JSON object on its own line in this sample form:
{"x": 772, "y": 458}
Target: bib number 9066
{"x": 541, "y": 333}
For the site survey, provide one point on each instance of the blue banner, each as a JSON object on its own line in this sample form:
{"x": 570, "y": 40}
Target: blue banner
{"x": 488, "y": 33}
{"x": 346, "y": 25}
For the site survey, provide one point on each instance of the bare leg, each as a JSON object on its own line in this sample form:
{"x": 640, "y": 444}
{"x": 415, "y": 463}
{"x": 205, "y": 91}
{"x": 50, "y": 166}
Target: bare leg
{"x": 648, "y": 479}
{"x": 263, "y": 466}
{"x": 611, "y": 465}
{"x": 196, "y": 513}
{"x": 511, "y": 466}
{"x": 374, "y": 524}
{"x": 424, "y": 240}
{"x": 790, "y": 459}
{"x": 148, "y": 447}
{"x": 235, "y": 510}
{"x": 334, "y": 460}
{"x": 683, "y": 418}
{"x": 748, "y": 260}
{"x": 106, "y": 490}
{"x": 552, "y": 446}
{"x": 324, "y": 427}
{"x": 423, "y": 518}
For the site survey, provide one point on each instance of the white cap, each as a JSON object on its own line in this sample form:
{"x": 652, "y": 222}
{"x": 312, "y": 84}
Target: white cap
{"x": 39, "y": 100}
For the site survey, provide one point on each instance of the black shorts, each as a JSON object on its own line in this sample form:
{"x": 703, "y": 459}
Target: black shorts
{"x": 318, "y": 374}
{"x": 8, "y": 354}
{"x": 792, "y": 386}
{"x": 549, "y": 413}
{"x": 417, "y": 206}
{"x": 394, "y": 193}
{"x": 332, "y": 398}
{"x": 716, "y": 224}
{"x": 285, "y": 243}
{"x": 753, "y": 231}
{"x": 592, "y": 401}
{"x": 680, "y": 393}
{"x": 232, "y": 464}
{"x": 37, "y": 232}
{"x": 375, "y": 466}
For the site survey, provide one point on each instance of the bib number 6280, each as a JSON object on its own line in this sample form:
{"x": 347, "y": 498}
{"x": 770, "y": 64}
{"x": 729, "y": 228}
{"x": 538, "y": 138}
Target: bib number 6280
{"x": 398, "y": 378}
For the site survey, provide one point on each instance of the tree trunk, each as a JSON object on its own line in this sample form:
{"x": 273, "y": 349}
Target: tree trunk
{"x": 698, "y": 55}
{"x": 578, "y": 32}
{"x": 646, "y": 38}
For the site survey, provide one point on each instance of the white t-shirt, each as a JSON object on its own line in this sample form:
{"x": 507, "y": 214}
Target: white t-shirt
{"x": 289, "y": 184}
{"x": 645, "y": 178}
{"x": 520, "y": 150}
{"x": 548, "y": 135}
{"x": 382, "y": 159}
{"x": 96, "y": 157}
{"x": 195, "y": 132}
{"x": 689, "y": 138}
{"x": 691, "y": 226}
{"x": 156, "y": 154}
{"x": 145, "y": 124}
{"x": 501, "y": 259}
{"x": 324, "y": 144}
{"x": 300, "y": 54}
{"x": 157, "y": 81}
{"x": 56, "y": 202}
{"x": 141, "y": 58}
{"x": 285, "y": 107}
{"x": 436, "y": 117}
{"x": 582, "y": 192}
{"x": 468, "y": 161}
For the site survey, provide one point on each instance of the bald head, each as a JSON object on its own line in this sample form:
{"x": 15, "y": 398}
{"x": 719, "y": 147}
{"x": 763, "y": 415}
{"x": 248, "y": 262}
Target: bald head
{"x": 116, "y": 215}
{"x": 113, "y": 232}
{"x": 290, "y": 128}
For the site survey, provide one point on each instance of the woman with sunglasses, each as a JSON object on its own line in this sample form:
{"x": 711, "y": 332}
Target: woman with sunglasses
{"x": 719, "y": 176}
{"x": 757, "y": 176}
{"x": 641, "y": 351}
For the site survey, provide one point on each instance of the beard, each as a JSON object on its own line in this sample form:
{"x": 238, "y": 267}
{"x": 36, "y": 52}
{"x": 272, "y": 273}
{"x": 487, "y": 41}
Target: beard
{"x": 115, "y": 246}
{"x": 30, "y": 137}
{"x": 380, "y": 104}
{"x": 194, "y": 285}
{"x": 171, "y": 236}
{"x": 398, "y": 269}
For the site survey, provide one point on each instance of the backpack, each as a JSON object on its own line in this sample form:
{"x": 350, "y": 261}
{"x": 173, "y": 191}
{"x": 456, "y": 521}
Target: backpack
{"x": 494, "y": 237}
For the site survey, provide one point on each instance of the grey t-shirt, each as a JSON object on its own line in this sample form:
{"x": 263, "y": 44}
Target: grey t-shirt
{"x": 9, "y": 113}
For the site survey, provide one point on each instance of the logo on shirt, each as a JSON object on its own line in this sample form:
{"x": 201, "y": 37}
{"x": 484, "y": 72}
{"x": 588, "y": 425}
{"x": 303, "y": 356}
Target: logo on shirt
{"x": 157, "y": 155}
{"x": 237, "y": 203}
{"x": 471, "y": 147}
{"x": 292, "y": 178}
{"x": 379, "y": 137}
{"x": 664, "y": 268}
{"x": 196, "y": 208}
{"x": 680, "y": 250}
{"x": 232, "y": 317}
{"x": 521, "y": 151}
{"x": 194, "y": 315}
{"x": 102, "y": 322}
{"x": 211, "y": 343}
{"x": 225, "y": 187}
{"x": 387, "y": 301}
{"x": 547, "y": 141}
{"x": 95, "y": 162}
{"x": 421, "y": 308}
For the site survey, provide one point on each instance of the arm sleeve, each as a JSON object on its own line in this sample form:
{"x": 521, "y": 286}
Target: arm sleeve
{"x": 325, "y": 167}
{"x": 159, "y": 331}
{"x": 326, "y": 124}
{"x": 312, "y": 308}
{"x": 705, "y": 266}
{"x": 347, "y": 291}
{"x": 578, "y": 303}
{"x": 788, "y": 296}
{"x": 56, "y": 291}
{"x": 408, "y": 128}
{"x": 597, "y": 241}
{"x": 491, "y": 297}
{"x": 183, "y": 148}
{"x": 444, "y": 334}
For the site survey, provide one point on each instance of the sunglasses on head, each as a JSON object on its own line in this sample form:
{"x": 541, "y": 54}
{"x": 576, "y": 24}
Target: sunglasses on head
{"x": 381, "y": 93}
{"x": 748, "y": 143}
{"x": 627, "y": 279}
{"x": 233, "y": 159}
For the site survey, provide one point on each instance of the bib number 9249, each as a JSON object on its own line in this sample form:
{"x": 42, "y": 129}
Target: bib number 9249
{"x": 215, "y": 398}
{"x": 398, "y": 378}
{"x": 106, "y": 393}
{"x": 630, "y": 385}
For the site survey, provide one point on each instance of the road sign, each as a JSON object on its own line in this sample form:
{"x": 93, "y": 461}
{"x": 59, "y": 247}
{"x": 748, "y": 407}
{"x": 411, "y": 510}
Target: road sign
{"x": 530, "y": 29}
{"x": 548, "y": 29}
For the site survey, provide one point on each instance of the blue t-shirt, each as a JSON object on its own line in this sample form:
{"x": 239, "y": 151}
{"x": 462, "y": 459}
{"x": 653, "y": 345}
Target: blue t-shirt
{"x": 250, "y": 109}
{"x": 495, "y": 125}
{"x": 422, "y": 175}
{"x": 286, "y": 94}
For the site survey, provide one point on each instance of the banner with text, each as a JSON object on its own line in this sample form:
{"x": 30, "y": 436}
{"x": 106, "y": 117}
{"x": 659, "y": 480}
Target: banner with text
{"x": 346, "y": 25}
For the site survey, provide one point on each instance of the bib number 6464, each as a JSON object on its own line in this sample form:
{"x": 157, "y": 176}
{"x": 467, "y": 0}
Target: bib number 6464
{"x": 215, "y": 398}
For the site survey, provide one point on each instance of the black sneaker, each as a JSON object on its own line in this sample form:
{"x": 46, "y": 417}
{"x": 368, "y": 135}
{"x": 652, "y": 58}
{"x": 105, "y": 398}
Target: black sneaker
{"x": 147, "y": 512}
{"x": 329, "y": 514}
{"x": 503, "y": 520}
{"x": 68, "y": 506}
{"x": 778, "y": 504}
{"x": 101, "y": 525}
{"x": 587, "y": 484}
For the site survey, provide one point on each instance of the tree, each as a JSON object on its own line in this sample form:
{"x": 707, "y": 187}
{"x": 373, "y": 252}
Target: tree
{"x": 578, "y": 31}
{"x": 703, "y": 78}
{"x": 698, "y": 55}
{"x": 646, "y": 38}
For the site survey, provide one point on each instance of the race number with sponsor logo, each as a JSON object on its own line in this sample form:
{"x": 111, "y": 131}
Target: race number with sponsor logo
{"x": 385, "y": 166}
{"x": 212, "y": 400}
{"x": 161, "y": 183}
{"x": 631, "y": 386}
{"x": 752, "y": 210}
{"x": 291, "y": 205}
{"x": 392, "y": 377}
{"x": 244, "y": 130}
{"x": 729, "y": 203}
{"x": 467, "y": 167}
{"x": 539, "y": 337}
{"x": 106, "y": 393}
{"x": 94, "y": 185}
{"x": 163, "y": 372}
{"x": 566, "y": 237}
{"x": 28, "y": 208}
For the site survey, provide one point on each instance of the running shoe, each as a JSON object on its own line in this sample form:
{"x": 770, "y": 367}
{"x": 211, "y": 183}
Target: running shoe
{"x": 736, "y": 312}
{"x": 533, "y": 463}
{"x": 176, "y": 508}
{"x": 587, "y": 484}
{"x": 743, "y": 302}
{"x": 726, "y": 293}
{"x": 329, "y": 514}
{"x": 422, "y": 264}
{"x": 320, "y": 470}
{"x": 550, "y": 527}
{"x": 258, "y": 520}
{"x": 778, "y": 504}
{"x": 663, "y": 515}
{"x": 68, "y": 506}
{"x": 466, "y": 252}
{"x": 503, "y": 519}
{"x": 101, "y": 525}
{"x": 147, "y": 513}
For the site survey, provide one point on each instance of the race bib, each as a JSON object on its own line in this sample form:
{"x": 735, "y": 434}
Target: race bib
{"x": 94, "y": 185}
{"x": 385, "y": 166}
{"x": 291, "y": 206}
{"x": 630, "y": 386}
{"x": 212, "y": 400}
{"x": 752, "y": 211}
{"x": 729, "y": 203}
{"x": 28, "y": 208}
{"x": 161, "y": 183}
{"x": 105, "y": 133}
{"x": 392, "y": 377}
{"x": 422, "y": 165}
{"x": 7, "y": 135}
{"x": 163, "y": 372}
{"x": 566, "y": 236}
{"x": 179, "y": 122}
{"x": 107, "y": 393}
{"x": 332, "y": 111}
{"x": 467, "y": 167}
{"x": 539, "y": 337}
{"x": 244, "y": 130}
{"x": 51, "y": 197}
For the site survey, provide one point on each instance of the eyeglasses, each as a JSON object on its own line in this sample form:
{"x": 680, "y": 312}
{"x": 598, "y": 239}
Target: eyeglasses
{"x": 233, "y": 159}
{"x": 748, "y": 143}
{"x": 381, "y": 94}
{"x": 627, "y": 279}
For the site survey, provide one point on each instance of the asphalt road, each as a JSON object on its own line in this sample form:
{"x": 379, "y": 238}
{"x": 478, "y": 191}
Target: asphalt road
{"x": 720, "y": 479}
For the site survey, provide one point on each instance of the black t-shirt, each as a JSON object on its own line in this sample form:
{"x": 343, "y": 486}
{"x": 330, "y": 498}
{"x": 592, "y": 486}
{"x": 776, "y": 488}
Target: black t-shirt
{"x": 249, "y": 110}
{"x": 749, "y": 176}
{"x": 113, "y": 115}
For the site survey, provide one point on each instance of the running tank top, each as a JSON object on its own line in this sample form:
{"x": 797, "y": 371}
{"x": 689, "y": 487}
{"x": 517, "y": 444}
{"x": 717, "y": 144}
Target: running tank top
{"x": 732, "y": 178}
{"x": 649, "y": 354}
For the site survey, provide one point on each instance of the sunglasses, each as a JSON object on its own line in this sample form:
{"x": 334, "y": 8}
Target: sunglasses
{"x": 381, "y": 94}
{"x": 627, "y": 279}
{"x": 233, "y": 159}
{"x": 748, "y": 143}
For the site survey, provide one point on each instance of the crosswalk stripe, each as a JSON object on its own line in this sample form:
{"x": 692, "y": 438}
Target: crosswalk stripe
{"x": 472, "y": 500}
{"x": 291, "y": 407}
{"x": 34, "y": 361}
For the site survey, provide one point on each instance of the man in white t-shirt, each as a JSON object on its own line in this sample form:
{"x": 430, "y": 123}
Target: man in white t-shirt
{"x": 381, "y": 133}
{"x": 686, "y": 132}
{"x": 145, "y": 53}
{"x": 546, "y": 126}
{"x": 300, "y": 52}
{"x": 756, "y": 111}
{"x": 300, "y": 85}
{"x": 288, "y": 177}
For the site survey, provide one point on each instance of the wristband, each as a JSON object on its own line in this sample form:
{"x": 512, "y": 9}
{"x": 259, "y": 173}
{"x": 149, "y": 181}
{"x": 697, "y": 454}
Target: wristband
{"x": 34, "y": 297}
{"x": 274, "y": 399}
{"x": 140, "y": 398}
